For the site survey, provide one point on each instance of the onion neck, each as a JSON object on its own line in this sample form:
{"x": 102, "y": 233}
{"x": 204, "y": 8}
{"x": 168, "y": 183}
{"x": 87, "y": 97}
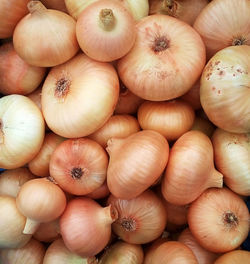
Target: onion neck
{"x": 215, "y": 179}
{"x": 128, "y": 224}
{"x": 36, "y": 7}
{"x": 107, "y": 19}
{"x": 114, "y": 144}
{"x": 30, "y": 226}
{"x": 168, "y": 7}
{"x": 230, "y": 220}
{"x": 108, "y": 214}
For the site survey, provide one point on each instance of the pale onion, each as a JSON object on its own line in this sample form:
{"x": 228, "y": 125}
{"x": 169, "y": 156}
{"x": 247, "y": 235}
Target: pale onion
{"x": 224, "y": 90}
{"x": 39, "y": 165}
{"x": 136, "y": 162}
{"x": 40, "y": 200}
{"x": 16, "y": 75}
{"x": 138, "y": 9}
{"x": 12, "y": 180}
{"x": 86, "y": 226}
{"x": 170, "y": 118}
{"x": 12, "y": 223}
{"x": 45, "y": 37}
{"x": 105, "y": 30}
{"x": 219, "y": 220}
{"x": 141, "y": 219}
{"x": 192, "y": 96}
{"x": 185, "y": 10}
{"x": 12, "y": 12}
{"x": 128, "y": 102}
{"x": 224, "y": 23}
{"x": 153, "y": 69}
{"x": 120, "y": 126}
{"x": 83, "y": 94}
{"x": 234, "y": 257}
{"x": 48, "y": 232}
{"x": 21, "y": 131}
{"x": 55, "y": 4}
{"x": 122, "y": 253}
{"x": 190, "y": 170}
{"x": 32, "y": 253}
{"x": 232, "y": 159}
{"x": 79, "y": 166}
{"x": 203, "y": 256}
{"x": 99, "y": 193}
{"x": 172, "y": 252}
{"x": 58, "y": 253}
{"x": 203, "y": 125}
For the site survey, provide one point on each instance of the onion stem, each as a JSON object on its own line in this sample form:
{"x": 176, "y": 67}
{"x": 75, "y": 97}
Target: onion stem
{"x": 107, "y": 19}
{"x": 36, "y": 6}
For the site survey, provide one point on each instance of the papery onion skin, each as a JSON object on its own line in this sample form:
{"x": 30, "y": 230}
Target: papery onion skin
{"x": 17, "y": 76}
{"x": 22, "y": 131}
{"x": 12, "y": 223}
{"x": 79, "y": 166}
{"x": 12, "y": 180}
{"x": 190, "y": 169}
{"x": 232, "y": 159}
{"x": 83, "y": 93}
{"x": 136, "y": 162}
{"x": 141, "y": 219}
{"x": 105, "y": 30}
{"x": 12, "y": 12}
{"x": 30, "y": 34}
{"x": 122, "y": 253}
{"x": 173, "y": 252}
{"x": 170, "y": 118}
{"x": 217, "y": 214}
{"x": 32, "y": 253}
{"x": 224, "y": 23}
{"x": 153, "y": 68}
{"x": 224, "y": 90}
{"x": 117, "y": 126}
{"x": 94, "y": 223}
{"x": 234, "y": 257}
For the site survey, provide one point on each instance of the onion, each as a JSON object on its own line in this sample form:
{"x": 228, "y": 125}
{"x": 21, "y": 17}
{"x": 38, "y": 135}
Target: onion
{"x": 12, "y": 180}
{"x": 55, "y": 4}
{"x": 232, "y": 158}
{"x": 219, "y": 220}
{"x": 224, "y": 91}
{"x": 40, "y": 200}
{"x": 48, "y": 232}
{"x": 170, "y": 118}
{"x": 153, "y": 69}
{"x": 17, "y": 76}
{"x": 32, "y": 253}
{"x": 12, "y": 12}
{"x": 122, "y": 253}
{"x": 56, "y": 27}
{"x": 136, "y": 162}
{"x": 203, "y": 256}
{"x": 172, "y": 252}
{"x": 58, "y": 253}
{"x": 40, "y": 164}
{"x": 79, "y": 166}
{"x": 117, "y": 126}
{"x": 224, "y": 23}
{"x": 99, "y": 193}
{"x": 234, "y": 257}
{"x": 21, "y": 131}
{"x": 105, "y": 30}
{"x": 192, "y": 96}
{"x": 203, "y": 125}
{"x": 185, "y": 10}
{"x": 12, "y": 223}
{"x": 141, "y": 219}
{"x": 83, "y": 93}
{"x": 94, "y": 223}
{"x": 190, "y": 169}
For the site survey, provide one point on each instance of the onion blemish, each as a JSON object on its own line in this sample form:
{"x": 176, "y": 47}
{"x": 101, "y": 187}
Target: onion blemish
{"x": 62, "y": 87}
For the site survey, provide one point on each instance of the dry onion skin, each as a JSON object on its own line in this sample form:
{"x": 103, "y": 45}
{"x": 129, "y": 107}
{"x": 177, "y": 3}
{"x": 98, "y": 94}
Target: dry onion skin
{"x": 153, "y": 69}
{"x": 224, "y": 23}
{"x": 217, "y": 214}
{"x": 234, "y": 257}
{"x": 40, "y": 25}
{"x": 224, "y": 90}
{"x": 22, "y": 130}
{"x": 232, "y": 159}
{"x": 83, "y": 94}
